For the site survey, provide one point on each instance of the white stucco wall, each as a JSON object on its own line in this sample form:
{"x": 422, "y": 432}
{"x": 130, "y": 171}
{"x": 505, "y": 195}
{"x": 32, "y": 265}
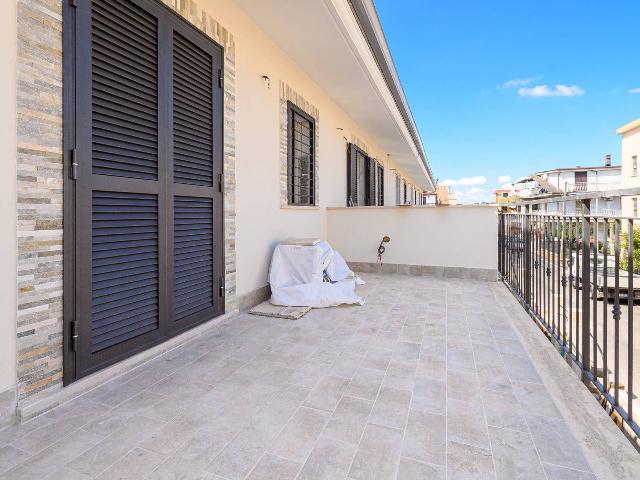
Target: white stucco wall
{"x": 261, "y": 222}
{"x": 8, "y": 197}
{"x": 454, "y": 236}
{"x": 630, "y": 147}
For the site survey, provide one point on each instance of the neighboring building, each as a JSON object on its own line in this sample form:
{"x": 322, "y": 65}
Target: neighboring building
{"x": 630, "y": 134}
{"x": 445, "y": 196}
{"x": 567, "y": 182}
{"x": 503, "y": 196}
{"x": 158, "y": 152}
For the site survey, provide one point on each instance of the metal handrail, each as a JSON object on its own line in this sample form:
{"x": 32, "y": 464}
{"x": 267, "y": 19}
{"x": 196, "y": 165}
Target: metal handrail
{"x": 558, "y": 266}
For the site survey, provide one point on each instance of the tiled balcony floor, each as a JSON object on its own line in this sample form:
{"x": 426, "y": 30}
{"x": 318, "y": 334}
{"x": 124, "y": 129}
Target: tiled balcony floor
{"x": 427, "y": 380}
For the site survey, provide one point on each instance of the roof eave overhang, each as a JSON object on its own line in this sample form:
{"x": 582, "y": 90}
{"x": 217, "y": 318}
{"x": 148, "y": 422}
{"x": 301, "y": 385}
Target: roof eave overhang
{"x": 370, "y": 26}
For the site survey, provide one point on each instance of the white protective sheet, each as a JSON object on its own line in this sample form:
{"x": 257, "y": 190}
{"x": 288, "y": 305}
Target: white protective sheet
{"x": 296, "y": 277}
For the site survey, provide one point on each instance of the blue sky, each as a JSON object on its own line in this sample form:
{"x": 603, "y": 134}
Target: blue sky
{"x": 573, "y": 66}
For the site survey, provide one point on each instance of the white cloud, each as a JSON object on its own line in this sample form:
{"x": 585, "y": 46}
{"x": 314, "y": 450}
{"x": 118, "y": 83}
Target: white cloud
{"x": 517, "y": 82}
{"x": 465, "y": 181}
{"x": 540, "y": 91}
{"x": 504, "y": 178}
{"x": 473, "y": 195}
{"x": 634, "y": 90}
{"x": 506, "y": 186}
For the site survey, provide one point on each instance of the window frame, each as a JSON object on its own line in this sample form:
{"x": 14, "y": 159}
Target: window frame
{"x": 634, "y": 165}
{"x": 293, "y": 109}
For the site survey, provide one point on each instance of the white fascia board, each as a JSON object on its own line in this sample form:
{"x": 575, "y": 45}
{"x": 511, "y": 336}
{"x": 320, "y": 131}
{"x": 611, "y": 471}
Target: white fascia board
{"x": 347, "y": 24}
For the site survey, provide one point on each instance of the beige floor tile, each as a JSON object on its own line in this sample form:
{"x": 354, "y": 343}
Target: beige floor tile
{"x": 429, "y": 395}
{"x": 349, "y": 420}
{"x": 535, "y": 399}
{"x": 554, "y": 472}
{"x": 271, "y": 467}
{"x": 135, "y": 465}
{"x": 425, "y": 437}
{"x": 410, "y": 469}
{"x": 465, "y": 462}
{"x": 466, "y": 423}
{"x": 327, "y": 393}
{"x": 378, "y": 455}
{"x": 299, "y": 434}
{"x": 10, "y": 457}
{"x": 555, "y": 443}
{"x": 329, "y": 460}
{"x": 391, "y": 408}
{"x": 115, "y": 446}
{"x": 503, "y": 411}
{"x": 365, "y": 383}
{"x": 514, "y": 455}
{"x": 400, "y": 375}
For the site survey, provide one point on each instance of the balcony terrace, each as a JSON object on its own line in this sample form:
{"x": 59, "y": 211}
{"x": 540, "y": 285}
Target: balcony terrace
{"x": 432, "y": 378}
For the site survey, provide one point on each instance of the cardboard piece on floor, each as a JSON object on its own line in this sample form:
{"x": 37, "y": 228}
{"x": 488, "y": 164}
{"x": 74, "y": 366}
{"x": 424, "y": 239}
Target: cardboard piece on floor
{"x": 266, "y": 309}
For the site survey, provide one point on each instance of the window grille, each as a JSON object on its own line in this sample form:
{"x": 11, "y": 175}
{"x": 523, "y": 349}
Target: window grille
{"x": 301, "y": 157}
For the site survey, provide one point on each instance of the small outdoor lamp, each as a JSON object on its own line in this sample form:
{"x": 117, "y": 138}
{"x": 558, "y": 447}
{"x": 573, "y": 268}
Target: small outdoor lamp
{"x": 381, "y": 249}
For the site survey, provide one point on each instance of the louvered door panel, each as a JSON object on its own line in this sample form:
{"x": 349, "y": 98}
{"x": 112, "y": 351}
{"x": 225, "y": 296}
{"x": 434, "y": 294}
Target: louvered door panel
{"x": 124, "y": 129}
{"x": 144, "y": 256}
{"x": 193, "y": 255}
{"x": 124, "y": 283}
{"x": 192, "y": 113}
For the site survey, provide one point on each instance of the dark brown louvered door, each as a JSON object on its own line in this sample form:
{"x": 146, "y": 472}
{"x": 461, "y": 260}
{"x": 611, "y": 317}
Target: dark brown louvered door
{"x": 143, "y": 123}
{"x": 196, "y": 270}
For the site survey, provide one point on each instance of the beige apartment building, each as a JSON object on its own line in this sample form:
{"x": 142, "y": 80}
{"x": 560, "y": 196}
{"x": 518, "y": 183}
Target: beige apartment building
{"x": 630, "y": 137}
{"x": 155, "y": 152}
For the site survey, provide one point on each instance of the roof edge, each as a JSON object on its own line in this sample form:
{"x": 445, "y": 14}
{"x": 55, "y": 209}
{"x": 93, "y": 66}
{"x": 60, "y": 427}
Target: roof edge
{"x": 628, "y": 127}
{"x": 367, "y": 17}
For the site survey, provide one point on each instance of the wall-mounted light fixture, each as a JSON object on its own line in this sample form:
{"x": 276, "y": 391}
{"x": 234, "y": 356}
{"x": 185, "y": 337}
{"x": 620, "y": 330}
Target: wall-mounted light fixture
{"x": 266, "y": 80}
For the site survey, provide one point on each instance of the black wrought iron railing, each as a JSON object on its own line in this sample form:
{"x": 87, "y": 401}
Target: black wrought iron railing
{"x": 577, "y": 276}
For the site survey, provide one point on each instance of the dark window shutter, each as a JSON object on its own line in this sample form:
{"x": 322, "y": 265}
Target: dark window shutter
{"x": 352, "y": 176}
{"x": 192, "y": 113}
{"x": 380, "y": 185}
{"x": 193, "y": 255}
{"x": 124, "y": 267}
{"x": 370, "y": 181}
{"x": 124, "y": 79}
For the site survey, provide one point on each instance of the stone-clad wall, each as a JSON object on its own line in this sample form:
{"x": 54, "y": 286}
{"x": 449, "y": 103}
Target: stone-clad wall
{"x": 40, "y": 183}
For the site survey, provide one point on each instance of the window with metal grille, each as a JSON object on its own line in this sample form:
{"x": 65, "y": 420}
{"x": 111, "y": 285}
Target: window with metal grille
{"x": 301, "y": 157}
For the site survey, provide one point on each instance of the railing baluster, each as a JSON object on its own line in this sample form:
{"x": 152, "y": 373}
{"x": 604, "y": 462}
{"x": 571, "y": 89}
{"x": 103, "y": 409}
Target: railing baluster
{"x": 616, "y": 318}
{"x": 630, "y": 302}
{"x": 605, "y": 303}
{"x": 586, "y": 301}
{"x": 578, "y": 282}
{"x": 594, "y": 294}
{"x": 571, "y": 280}
{"x": 563, "y": 246}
